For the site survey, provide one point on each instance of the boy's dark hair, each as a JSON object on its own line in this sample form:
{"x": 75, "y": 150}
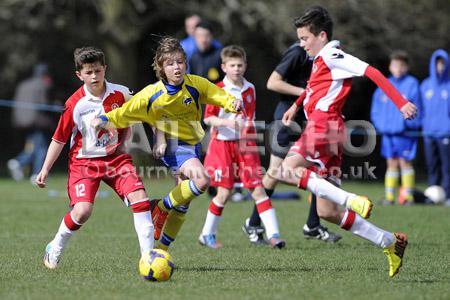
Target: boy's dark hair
{"x": 168, "y": 46}
{"x": 233, "y": 51}
{"x": 317, "y": 19}
{"x": 88, "y": 55}
{"x": 400, "y": 55}
{"x": 205, "y": 25}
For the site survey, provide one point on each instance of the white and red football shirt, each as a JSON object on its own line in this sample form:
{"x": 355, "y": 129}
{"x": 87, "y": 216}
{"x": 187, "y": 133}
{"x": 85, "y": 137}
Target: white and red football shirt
{"x": 80, "y": 109}
{"x": 246, "y": 94}
{"x": 331, "y": 79}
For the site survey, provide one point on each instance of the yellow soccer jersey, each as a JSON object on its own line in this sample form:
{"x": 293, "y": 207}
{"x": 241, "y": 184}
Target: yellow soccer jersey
{"x": 176, "y": 110}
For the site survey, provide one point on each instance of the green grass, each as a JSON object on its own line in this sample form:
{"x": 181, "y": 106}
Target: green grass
{"x": 101, "y": 260}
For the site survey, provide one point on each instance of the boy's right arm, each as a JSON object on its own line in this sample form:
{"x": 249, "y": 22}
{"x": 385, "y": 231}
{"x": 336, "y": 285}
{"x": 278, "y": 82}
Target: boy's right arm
{"x": 235, "y": 124}
{"x": 160, "y": 146}
{"x": 53, "y": 152}
{"x": 290, "y": 114}
{"x": 212, "y": 118}
{"x": 277, "y": 84}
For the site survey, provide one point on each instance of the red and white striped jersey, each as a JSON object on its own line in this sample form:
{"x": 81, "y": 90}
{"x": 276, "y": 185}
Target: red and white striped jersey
{"x": 247, "y": 96}
{"x": 331, "y": 79}
{"x": 79, "y": 110}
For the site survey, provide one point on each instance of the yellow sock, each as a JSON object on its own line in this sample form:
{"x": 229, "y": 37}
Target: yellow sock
{"x": 180, "y": 195}
{"x": 390, "y": 183}
{"x": 408, "y": 183}
{"x": 174, "y": 222}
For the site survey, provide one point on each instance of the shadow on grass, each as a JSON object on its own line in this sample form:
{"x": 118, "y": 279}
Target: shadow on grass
{"x": 263, "y": 269}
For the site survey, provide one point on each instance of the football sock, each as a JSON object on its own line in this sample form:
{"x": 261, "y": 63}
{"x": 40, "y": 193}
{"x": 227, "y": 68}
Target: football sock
{"x": 143, "y": 224}
{"x": 174, "y": 222}
{"x": 180, "y": 195}
{"x": 255, "y": 220}
{"x": 361, "y": 227}
{"x": 313, "y": 218}
{"x": 213, "y": 217}
{"x": 66, "y": 230}
{"x": 322, "y": 188}
{"x": 390, "y": 183}
{"x": 268, "y": 217}
{"x": 408, "y": 177}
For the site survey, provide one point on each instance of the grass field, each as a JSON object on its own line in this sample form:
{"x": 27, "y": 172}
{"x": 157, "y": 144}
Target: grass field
{"x": 101, "y": 260}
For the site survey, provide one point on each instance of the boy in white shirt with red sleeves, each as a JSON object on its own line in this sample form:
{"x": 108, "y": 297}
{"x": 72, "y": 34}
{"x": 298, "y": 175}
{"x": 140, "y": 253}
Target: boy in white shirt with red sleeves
{"x": 233, "y": 153}
{"x": 313, "y": 160}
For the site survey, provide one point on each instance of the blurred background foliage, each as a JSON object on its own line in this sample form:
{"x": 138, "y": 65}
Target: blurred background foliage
{"x": 49, "y": 30}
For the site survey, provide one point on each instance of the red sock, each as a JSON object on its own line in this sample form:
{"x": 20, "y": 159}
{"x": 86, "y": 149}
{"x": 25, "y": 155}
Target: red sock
{"x": 303, "y": 183}
{"x": 348, "y": 220}
{"x": 215, "y": 209}
{"x": 263, "y": 205}
{"x": 141, "y": 206}
{"x": 70, "y": 223}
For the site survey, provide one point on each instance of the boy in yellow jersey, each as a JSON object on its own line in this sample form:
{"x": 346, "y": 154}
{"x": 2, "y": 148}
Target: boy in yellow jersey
{"x": 173, "y": 106}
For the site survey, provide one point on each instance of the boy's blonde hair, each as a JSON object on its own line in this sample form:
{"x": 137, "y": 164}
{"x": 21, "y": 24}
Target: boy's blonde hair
{"x": 168, "y": 47}
{"x": 233, "y": 51}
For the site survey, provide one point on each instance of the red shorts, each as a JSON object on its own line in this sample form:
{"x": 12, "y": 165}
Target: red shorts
{"x": 322, "y": 142}
{"x": 226, "y": 161}
{"x": 85, "y": 176}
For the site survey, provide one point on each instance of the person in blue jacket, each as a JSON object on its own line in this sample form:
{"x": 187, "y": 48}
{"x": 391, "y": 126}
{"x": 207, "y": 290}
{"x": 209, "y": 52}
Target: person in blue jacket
{"x": 435, "y": 92}
{"x": 399, "y": 136}
{"x": 188, "y": 43}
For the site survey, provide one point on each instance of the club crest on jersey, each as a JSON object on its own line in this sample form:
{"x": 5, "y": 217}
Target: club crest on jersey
{"x": 187, "y": 101}
{"x": 114, "y": 106}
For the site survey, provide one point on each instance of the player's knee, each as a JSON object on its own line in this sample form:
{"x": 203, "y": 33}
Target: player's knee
{"x": 81, "y": 212}
{"x": 137, "y": 195}
{"x": 274, "y": 173}
{"x": 202, "y": 182}
{"x": 258, "y": 193}
{"x": 223, "y": 196}
{"x": 286, "y": 171}
{"x": 327, "y": 214}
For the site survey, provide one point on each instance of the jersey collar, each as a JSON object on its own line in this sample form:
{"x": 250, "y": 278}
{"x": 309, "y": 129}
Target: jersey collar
{"x": 230, "y": 85}
{"x": 331, "y": 44}
{"x": 108, "y": 91}
{"x": 173, "y": 89}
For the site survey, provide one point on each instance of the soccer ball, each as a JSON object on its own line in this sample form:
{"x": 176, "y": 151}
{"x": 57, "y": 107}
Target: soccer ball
{"x": 156, "y": 265}
{"x": 435, "y": 193}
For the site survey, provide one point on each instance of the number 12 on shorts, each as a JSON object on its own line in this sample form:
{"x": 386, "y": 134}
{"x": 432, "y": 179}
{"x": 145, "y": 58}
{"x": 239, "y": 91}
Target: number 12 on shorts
{"x": 80, "y": 190}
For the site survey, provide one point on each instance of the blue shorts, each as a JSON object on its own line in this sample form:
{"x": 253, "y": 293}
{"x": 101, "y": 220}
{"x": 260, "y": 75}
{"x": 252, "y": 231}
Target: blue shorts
{"x": 396, "y": 146}
{"x": 177, "y": 153}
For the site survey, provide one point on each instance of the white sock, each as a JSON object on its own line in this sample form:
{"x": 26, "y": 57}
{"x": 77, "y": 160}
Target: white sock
{"x": 144, "y": 229}
{"x": 211, "y": 223}
{"x": 326, "y": 190}
{"x": 213, "y": 217}
{"x": 268, "y": 217}
{"x": 62, "y": 237}
{"x": 370, "y": 232}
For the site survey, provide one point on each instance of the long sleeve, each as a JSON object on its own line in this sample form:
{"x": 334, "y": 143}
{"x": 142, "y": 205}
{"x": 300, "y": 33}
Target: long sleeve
{"x": 217, "y": 96}
{"x": 134, "y": 110}
{"x": 384, "y": 84}
{"x": 300, "y": 98}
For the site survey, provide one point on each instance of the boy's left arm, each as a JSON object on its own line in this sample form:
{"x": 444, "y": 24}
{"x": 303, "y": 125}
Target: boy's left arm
{"x": 345, "y": 66}
{"x": 217, "y": 96}
{"x": 408, "y": 109}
